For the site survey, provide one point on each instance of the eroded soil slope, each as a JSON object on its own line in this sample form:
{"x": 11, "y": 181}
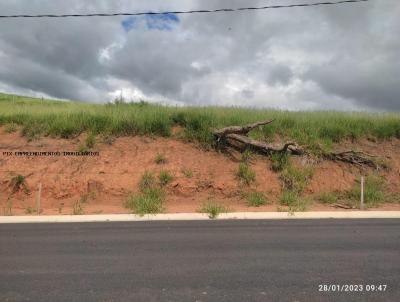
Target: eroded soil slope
{"x": 103, "y": 182}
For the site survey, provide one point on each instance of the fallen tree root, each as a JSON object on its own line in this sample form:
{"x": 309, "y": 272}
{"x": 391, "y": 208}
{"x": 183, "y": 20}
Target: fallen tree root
{"x": 358, "y": 158}
{"x": 239, "y": 130}
{"x": 261, "y": 147}
{"x": 236, "y": 138}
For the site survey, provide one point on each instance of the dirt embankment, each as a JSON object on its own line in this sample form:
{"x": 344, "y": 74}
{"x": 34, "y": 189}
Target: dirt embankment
{"x": 104, "y": 181}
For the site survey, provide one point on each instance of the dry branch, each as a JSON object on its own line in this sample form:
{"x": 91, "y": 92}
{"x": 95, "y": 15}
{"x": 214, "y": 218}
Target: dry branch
{"x": 261, "y": 147}
{"x": 236, "y": 137}
{"x": 239, "y": 130}
{"x": 358, "y": 158}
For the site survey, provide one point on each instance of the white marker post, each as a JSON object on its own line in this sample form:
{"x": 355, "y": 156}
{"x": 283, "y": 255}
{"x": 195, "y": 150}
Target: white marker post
{"x": 362, "y": 193}
{"x": 38, "y": 199}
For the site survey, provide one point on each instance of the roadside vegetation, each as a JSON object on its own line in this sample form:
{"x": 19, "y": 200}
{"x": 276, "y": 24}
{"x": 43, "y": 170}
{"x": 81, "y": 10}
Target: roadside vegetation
{"x": 375, "y": 194}
{"x": 314, "y": 130}
{"x": 245, "y": 174}
{"x": 150, "y": 199}
{"x": 294, "y": 180}
{"x": 213, "y": 209}
{"x": 257, "y": 199}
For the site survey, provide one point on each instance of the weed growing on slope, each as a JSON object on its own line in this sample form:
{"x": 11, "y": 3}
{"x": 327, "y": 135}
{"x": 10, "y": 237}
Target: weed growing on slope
{"x": 77, "y": 208}
{"x": 296, "y": 179}
{"x": 213, "y": 209}
{"x": 279, "y": 161}
{"x": 294, "y": 202}
{"x": 11, "y": 128}
{"x": 165, "y": 178}
{"x": 18, "y": 182}
{"x": 148, "y": 181}
{"x": 256, "y": 199}
{"x": 160, "y": 159}
{"x": 149, "y": 201}
{"x": 245, "y": 174}
{"x": 328, "y": 197}
{"x": 188, "y": 173}
{"x": 374, "y": 191}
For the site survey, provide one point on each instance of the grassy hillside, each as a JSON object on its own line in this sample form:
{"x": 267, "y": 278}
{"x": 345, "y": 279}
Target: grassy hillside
{"x": 66, "y": 119}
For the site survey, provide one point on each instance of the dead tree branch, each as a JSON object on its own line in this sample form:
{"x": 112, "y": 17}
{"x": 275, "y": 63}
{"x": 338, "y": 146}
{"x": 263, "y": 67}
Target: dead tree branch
{"x": 236, "y": 138}
{"x": 239, "y": 130}
{"x": 358, "y": 158}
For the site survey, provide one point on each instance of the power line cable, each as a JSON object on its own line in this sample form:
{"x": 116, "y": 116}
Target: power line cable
{"x": 184, "y": 12}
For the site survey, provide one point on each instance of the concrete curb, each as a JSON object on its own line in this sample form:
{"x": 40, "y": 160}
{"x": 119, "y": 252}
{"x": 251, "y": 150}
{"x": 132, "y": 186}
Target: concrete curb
{"x": 198, "y": 216}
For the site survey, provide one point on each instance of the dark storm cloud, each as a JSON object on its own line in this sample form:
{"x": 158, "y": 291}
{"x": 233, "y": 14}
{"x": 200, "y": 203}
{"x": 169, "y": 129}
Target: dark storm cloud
{"x": 289, "y": 58}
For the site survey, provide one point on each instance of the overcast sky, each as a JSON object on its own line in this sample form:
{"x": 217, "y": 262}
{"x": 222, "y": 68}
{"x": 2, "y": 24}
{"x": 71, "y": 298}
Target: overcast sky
{"x": 333, "y": 57}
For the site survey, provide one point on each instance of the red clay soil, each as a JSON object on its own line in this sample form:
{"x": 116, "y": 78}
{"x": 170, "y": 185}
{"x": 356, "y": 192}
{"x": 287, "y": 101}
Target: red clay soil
{"x": 106, "y": 180}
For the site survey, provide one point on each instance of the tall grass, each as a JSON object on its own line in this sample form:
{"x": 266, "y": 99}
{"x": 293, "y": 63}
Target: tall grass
{"x": 67, "y": 119}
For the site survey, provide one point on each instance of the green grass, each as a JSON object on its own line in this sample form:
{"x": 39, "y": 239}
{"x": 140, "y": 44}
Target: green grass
{"x": 374, "y": 192}
{"x": 18, "y": 182}
{"x": 279, "y": 161}
{"x": 188, "y": 173}
{"x": 247, "y": 156}
{"x": 328, "y": 197}
{"x": 296, "y": 179}
{"x": 288, "y": 198}
{"x": 148, "y": 181}
{"x": 245, "y": 174}
{"x": 165, "y": 178}
{"x": 160, "y": 159}
{"x": 213, "y": 209}
{"x": 148, "y": 202}
{"x": 314, "y": 130}
{"x": 90, "y": 140}
{"x": 256, "y": 199}
{"x": 11, "y": 128}
{"x": 294, "y": 202}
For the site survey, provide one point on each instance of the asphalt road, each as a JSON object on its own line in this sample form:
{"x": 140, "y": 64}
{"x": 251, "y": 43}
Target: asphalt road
{"x": 200, "y": 261}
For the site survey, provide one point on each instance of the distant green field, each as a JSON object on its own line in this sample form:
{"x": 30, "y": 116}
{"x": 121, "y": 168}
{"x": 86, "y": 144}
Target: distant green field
{"x": 66, "y": 119}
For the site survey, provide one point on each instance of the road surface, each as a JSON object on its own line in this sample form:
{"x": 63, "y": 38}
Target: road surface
{"x": 201, "y": 261}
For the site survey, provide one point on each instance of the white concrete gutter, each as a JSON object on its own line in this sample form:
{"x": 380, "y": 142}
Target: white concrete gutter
{"x": 198, "y": 216}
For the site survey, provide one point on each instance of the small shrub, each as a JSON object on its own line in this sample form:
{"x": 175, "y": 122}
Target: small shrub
{"x": 90, "y": 140}
{"x": 327, "y": 198}
{"x": 187, "y": 173}
{"x": 289, "y": 198}
{"x": 160, "y": 159}
{"x": 296, "y": 179}
{"x": 247, "y": 156}
{"x": 77, "y": 208}
{"x": 279, "y": 161}
{"x": 33, "y": 131}
{"x": 30, "y": 211}
{"x": 147, "y": 181}
{"x": 18, "y": 182}
{"x": 256, "y": 199}
{"x": 149, "y": 202}
{"x": 213, "y": 209}
{"x": 165, "y": 178}
{"x": 300, "y": 205}
{"x": 245, "y": 174}
{"x": 294, "y": 202}
{"x": 11, "y": 128}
